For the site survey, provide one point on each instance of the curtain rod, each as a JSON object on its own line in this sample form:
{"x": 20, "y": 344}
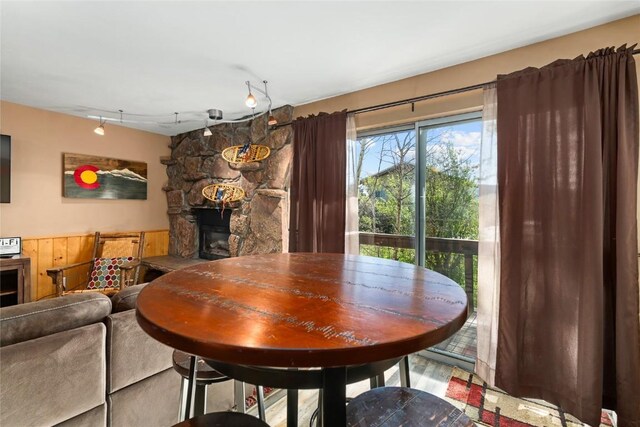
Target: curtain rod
{"x": 420, "y": 98}
{"x": 429, "y": 96}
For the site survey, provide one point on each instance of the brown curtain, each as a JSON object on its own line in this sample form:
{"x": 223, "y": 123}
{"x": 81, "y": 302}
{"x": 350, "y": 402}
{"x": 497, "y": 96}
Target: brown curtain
{"x": 318, "y": 184}
{"x": 567, "y": 177}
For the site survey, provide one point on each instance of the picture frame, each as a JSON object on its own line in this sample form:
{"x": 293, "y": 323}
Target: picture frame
{"x": 94, "y": 177}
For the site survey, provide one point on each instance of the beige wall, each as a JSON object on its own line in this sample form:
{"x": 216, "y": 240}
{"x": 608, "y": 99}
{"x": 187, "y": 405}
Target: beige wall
{"x": 37, "y": 208}
{"x": 470, "y": 73}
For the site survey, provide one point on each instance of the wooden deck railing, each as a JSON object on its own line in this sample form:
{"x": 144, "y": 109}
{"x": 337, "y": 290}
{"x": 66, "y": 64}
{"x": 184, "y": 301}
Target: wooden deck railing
{"x": 468, "y": 248}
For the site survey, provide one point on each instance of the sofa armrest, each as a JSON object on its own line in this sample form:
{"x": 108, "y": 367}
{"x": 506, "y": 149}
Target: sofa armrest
{"x": 126, "y": 299}
{"x": 24, "y": 322}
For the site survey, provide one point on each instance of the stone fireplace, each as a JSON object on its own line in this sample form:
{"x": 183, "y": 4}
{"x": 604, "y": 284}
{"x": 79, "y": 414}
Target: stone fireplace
{"x": 256, "y": 224}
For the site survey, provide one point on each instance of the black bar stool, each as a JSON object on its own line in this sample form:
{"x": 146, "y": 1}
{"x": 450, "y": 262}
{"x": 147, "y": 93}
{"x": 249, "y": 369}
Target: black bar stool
{"x": 193, "y": 395}
{"x": 374, "y": 382}
{"x": 294, "y": 379}
{"x": 402, "y": 406}
{"x": 223, "y": 419}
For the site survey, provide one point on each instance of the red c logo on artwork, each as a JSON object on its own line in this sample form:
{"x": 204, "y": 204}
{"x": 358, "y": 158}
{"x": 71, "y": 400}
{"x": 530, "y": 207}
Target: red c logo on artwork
{"x": 86, "y": 177}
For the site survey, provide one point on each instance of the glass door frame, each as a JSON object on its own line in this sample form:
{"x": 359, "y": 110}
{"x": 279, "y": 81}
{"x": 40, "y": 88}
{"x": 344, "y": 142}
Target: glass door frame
{"x": 433, "y": 353}
{"x": 421, "y": 176}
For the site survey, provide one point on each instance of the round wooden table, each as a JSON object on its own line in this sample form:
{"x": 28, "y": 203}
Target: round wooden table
{"x": 303, "y": 310}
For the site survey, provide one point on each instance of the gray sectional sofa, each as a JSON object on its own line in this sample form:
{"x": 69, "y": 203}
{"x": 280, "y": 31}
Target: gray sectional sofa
{"x": 82, "y": 360}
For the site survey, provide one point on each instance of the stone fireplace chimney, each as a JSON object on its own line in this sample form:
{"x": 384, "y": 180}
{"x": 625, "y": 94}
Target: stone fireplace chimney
{"x": 258, "y": 223}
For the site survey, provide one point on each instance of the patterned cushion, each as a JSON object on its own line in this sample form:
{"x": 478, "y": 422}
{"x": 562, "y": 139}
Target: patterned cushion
{"x": 105, "y": 273}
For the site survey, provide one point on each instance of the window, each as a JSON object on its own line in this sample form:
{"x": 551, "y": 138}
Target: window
{"x": 386, "y": 198}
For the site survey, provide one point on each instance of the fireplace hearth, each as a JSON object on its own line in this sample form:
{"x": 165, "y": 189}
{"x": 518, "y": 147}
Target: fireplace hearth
{"x": 214, "y": 232}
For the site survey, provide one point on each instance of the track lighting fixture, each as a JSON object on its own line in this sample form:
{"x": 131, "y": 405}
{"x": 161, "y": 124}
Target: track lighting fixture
{"x": 100, "y": 129}
{"x": 214, "y": 115}
{"x": 193, "y": 116}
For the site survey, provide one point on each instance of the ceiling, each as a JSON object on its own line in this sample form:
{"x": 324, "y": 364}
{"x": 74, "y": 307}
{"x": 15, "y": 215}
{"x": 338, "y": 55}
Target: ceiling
{"x": 152, "y": 59}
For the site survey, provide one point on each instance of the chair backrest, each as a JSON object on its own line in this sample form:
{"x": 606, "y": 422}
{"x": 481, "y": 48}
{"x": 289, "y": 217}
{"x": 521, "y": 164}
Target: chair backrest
{"x": 114, "y": 245}
{"x": 111, "y": 250}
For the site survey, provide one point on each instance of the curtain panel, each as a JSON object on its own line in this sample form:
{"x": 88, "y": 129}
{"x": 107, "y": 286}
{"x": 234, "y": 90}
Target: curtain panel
{"x": 352, "y": 217}
{"x": 567, "y": 173}
{"x": 318, "y": 184}
{"x": 488, "y": 242}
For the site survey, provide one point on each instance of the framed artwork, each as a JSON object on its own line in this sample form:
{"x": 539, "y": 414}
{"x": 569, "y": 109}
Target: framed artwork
{"x": 93, "y": 177}
{"x": 5, "y": 169}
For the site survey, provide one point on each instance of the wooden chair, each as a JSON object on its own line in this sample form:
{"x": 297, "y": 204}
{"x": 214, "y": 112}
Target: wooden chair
{"x": 114, "y": 265}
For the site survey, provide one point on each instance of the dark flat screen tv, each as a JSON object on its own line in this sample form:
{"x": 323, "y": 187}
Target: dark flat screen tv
{"x": 5, "y": 169}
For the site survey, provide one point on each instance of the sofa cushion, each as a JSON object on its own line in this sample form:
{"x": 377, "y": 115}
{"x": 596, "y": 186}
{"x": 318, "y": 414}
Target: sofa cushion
{"x": 23, "y": 322}
{"x": 132, "y": 355}
{"x": 153, "y": 402}
{"x": 126, "y": 299}
{"x": 54, "y": 378}
{"x": 95, "y": 417}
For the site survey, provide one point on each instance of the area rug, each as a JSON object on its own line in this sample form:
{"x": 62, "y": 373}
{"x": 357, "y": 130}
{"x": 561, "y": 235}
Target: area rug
{"x": 492, "y": 407}
{"x": 252, "y": 399}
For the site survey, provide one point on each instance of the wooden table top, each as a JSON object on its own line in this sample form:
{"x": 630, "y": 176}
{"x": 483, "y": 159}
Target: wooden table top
{"x": 301, "y": 309}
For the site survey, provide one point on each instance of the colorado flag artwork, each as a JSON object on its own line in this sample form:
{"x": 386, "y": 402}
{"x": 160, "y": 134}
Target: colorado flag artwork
{"x": 93, "y": 177}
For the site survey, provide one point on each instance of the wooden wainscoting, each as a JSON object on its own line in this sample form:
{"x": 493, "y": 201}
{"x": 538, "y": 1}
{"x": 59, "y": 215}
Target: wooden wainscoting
{"x": 47, "y": 252}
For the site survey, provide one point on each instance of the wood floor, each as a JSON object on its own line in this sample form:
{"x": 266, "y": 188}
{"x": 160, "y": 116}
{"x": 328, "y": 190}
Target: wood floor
{"x": 426, "y": 375}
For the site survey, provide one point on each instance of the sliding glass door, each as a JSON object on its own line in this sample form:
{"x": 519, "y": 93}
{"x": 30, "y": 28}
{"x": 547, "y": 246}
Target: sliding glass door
{"x": 385, "y": 172}
{"x": 449, "y": 159}
{"x": 418, "y": 203}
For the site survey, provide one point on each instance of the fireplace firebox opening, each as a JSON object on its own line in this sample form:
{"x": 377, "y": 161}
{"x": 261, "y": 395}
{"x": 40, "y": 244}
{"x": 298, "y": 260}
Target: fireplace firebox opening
{"x": 214, "y": 232}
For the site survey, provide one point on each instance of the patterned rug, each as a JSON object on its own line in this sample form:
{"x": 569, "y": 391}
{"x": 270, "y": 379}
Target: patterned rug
{"x": 252, "y": 399}
{"x": 492, "y": 407}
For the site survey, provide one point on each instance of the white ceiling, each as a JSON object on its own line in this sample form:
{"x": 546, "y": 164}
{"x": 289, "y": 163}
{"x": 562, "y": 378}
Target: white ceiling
{"x": 155, "y": 58}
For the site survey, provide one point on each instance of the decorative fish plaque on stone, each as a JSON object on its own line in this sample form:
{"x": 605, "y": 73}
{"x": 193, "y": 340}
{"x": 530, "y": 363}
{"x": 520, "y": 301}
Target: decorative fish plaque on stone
{"x": 223, "y": 193}
{"x": 246, "y": 153}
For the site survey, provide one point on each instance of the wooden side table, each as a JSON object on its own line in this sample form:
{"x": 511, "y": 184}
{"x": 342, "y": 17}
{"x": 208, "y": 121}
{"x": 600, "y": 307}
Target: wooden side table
{"x": 15, "y": 280}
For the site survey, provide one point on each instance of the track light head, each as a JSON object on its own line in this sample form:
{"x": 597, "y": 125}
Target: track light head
{"x": 100, "y": 129}
{"x": 272, "y": 120}
{"x": 207, "y": 132}
{"x": 251, "y": 101}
